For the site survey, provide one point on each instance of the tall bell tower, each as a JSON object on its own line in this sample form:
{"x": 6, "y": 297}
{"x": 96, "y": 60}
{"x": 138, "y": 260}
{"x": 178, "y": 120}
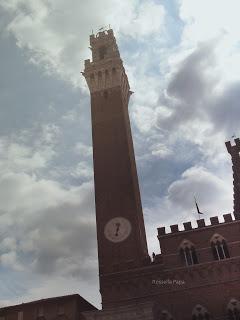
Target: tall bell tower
{"x": 121, "y": 234}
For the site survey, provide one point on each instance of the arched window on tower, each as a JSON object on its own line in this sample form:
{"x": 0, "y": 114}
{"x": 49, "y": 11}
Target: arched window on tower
{"x": 233, "y": 309}
{"x": 219, "y": 247}
{"x": 188, "y": 253}
{"x": 200, "y": 313}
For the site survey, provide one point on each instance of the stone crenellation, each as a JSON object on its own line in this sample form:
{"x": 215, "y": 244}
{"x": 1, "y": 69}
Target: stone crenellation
{"x": 200, "y": 224}
{"x": 106, "y": 70}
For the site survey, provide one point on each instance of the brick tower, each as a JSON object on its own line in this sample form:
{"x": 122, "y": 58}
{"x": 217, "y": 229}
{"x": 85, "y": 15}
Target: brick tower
{"x": 120, "y": 226}
{"x": 234, "y": 152}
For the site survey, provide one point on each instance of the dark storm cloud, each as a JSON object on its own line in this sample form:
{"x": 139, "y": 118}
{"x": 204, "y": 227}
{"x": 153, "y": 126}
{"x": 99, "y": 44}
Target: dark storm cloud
{"x": 189, "y": 89}
{"x": 225, "y": 110}
{"x": 193, "y": 95}
{"x": 190, "y": 83}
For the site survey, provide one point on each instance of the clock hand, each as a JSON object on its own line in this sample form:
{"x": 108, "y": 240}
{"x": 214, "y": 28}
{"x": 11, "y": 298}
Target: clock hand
{"x": 117, "y": 229}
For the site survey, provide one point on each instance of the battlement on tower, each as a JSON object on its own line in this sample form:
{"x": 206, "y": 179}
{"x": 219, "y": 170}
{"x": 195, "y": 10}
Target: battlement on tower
{"x": 201, "y": 223}
{"x": 106, "y": 71}
{"x": 231, "y": 147}
{"x": 101, "y": 36}
{"x": 104, "y": 47}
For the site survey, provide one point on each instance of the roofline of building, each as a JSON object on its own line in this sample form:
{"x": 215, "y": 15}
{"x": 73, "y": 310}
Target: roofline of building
{"x": 66, "y": 297}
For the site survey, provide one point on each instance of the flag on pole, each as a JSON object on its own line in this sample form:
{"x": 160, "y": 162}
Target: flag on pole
{"x": 199, "y": 212}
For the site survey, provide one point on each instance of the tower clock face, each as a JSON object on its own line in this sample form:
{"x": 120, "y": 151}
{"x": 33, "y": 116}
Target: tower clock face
{"x": 117, "y": 229}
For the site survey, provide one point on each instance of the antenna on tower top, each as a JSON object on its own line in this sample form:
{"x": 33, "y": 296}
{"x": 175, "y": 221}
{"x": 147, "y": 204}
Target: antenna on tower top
{"x": 104, "y": 28}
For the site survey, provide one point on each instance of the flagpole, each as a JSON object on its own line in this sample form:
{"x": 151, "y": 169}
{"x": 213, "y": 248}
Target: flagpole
{"x": 198, "y": 211}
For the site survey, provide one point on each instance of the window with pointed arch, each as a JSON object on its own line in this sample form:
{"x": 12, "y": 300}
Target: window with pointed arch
{"x": 219, "y": 247}
{"x": 200, "y": 313}
{"x": 159, "y": 313}
{"x": 164, "y": 315}
{"x": 40, "y": 313}
{"x": 188, "y": 253}
{"x": 233, "y": 309}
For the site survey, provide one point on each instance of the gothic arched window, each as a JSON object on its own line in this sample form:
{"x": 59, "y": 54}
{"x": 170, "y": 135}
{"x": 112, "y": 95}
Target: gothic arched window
{"x": 188, "y": 253}
{"x": 200, "y": 313}
{"x": 40, "y": 313}
{"x": 219, "y": 247}
{"x": 233, "y": 309}
{"x": 159, "y": 313}
{"x": 165, "y": 315}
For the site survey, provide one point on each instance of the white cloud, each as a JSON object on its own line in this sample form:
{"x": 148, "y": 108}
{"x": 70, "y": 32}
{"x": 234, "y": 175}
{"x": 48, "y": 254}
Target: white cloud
{"x": 58, "y": 38}
{"x": 82, "y": 170}
{"x": 161, "y": 150}
{"x": 20, "y": 157}
{"x": 143, "y": 117}
{"x": 20, "y": 154}
{"x": 71, "y": 116}
{"x": 146, "y": 19}
{"x": 9, "y": 259}
{"x": 194, "y": 182}
{"x": 48, "y": 287}
{"x": 25, "y": 191}
{"x": 83, "y": 150}
{"x": 50, "y": 134}
{"x": 205, "y": 20}
{"x": 9, "y": 243}
{"x": 213, "y": 193}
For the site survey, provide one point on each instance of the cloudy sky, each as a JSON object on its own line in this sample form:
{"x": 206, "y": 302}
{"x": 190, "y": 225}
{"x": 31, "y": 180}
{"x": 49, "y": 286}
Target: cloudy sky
{"x": 182, "y": 59}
